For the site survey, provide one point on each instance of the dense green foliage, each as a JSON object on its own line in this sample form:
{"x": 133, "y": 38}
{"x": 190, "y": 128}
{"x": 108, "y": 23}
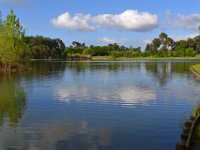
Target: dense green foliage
{"x": 40, "y": 47}
{"x": 165, "y": 46}
{"x": 114, "y": 50}
{"x": 12, "y": 45}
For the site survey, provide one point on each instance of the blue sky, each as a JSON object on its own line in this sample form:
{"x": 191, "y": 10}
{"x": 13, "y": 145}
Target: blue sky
{"x": 128, "y": 22}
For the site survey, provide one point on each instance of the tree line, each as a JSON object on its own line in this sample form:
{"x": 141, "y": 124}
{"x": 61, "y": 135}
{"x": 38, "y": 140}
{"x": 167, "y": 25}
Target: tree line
{"x": 163, "y": 46}
{"x": 15, "y": 47}
{"x": 40, "y": 47}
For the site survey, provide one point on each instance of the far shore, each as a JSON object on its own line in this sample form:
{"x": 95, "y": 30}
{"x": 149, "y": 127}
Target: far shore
{"x": 145, "y": 58}
{"x": 110, "y": 58}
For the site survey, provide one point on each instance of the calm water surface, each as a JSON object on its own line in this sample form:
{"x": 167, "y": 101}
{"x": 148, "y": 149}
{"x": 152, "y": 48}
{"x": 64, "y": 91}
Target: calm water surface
{"x": 137, "y": 105}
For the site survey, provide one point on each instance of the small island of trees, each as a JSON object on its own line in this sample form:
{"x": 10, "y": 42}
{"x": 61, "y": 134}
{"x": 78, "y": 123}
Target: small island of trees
{"x": 16, "y": 48}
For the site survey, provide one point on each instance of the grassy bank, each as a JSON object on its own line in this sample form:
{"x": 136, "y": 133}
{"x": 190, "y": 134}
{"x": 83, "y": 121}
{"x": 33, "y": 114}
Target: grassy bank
{"x": 145, "y": 58}
{"x": 196, "y": 70}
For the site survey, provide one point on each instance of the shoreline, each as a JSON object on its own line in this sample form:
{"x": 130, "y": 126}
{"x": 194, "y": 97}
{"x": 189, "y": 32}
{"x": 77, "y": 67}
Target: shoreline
{"x": 195, "y": 69}
{"x": 110, "y": 58}
{"x": 144, "y": 58}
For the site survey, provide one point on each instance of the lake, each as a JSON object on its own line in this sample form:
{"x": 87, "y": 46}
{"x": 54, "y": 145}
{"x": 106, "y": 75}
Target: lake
{"x": 104, "y": 105}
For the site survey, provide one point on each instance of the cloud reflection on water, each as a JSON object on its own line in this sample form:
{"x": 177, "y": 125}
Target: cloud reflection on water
{"x": 56, "y": 135}
{"x": 126, "y": 95}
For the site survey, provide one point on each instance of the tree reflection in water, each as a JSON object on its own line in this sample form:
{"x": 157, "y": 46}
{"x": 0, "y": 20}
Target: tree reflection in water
{"x": 163, "y": 71}
{"x": 12, "y": 100}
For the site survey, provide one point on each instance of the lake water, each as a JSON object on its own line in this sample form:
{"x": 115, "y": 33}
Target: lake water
{"x": 132, "y": 105}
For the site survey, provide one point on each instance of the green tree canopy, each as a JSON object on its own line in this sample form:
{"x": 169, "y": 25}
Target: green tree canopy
{"x": 40, "y": 47}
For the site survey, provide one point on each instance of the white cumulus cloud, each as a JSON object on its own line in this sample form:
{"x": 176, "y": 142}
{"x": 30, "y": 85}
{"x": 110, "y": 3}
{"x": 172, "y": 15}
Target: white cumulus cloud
{"x": 78, "y": 22}
{"x": 107, "y": 40}
{"x": 183, "y": 37}
{"x": 120, "y": 41}
{"x": 129, "y": 20}
{"x": 191, "y": 22}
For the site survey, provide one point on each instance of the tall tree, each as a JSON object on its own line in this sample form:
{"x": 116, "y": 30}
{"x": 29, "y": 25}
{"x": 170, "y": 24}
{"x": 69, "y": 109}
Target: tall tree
{"x": 163, "y": 38}
{"x": 11, "y": 41}
{"x": 155, "y": 45}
